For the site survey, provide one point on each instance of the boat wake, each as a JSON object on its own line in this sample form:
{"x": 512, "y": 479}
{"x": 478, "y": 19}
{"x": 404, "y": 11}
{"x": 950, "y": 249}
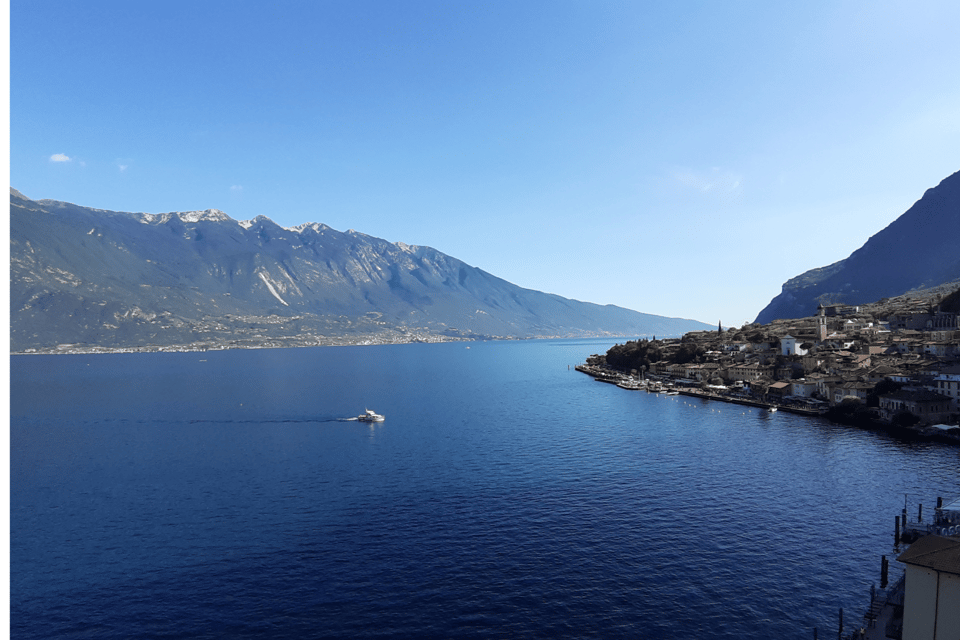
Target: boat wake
{"x": 264, "y": 421}
{"x": 271, "y": 421}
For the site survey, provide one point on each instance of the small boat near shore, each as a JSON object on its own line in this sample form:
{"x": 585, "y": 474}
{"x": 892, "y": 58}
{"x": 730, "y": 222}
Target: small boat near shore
{"x": 370, "y": 416}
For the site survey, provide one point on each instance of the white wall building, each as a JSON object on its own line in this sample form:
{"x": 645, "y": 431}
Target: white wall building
{"x": 803, "y": 388}
{"x": 948, "y": 383}
{"x": 932, "y": 589}
{"x": 789, "y": 347}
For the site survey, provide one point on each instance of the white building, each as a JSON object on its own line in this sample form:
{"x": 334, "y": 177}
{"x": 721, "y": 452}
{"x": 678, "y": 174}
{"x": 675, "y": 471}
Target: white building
{"x": 948, "y": 384}
{"x": 789, "y": 347}
{"x": 932, "y": 589}
{"x": 803, "y": 388}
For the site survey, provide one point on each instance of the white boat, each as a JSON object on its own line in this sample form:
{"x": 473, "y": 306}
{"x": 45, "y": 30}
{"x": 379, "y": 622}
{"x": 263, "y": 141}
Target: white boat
{"x": 370, "y": 416}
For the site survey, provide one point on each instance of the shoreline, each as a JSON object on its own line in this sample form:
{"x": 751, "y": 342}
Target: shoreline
{"x": 73, "y": 349}
{"x": 914, "y": 433}
{"x": 367, "y": 340}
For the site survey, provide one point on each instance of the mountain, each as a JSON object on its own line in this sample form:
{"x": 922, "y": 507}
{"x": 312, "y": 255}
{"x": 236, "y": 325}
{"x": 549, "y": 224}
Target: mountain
{"x": 920, "y": 249}
{"x": 83, "y": 278}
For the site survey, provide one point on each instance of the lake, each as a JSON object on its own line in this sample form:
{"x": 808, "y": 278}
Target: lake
{"x": 226, "y": 494}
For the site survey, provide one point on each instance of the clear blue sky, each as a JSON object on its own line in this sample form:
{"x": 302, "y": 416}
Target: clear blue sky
{"x": 683, "y": 159}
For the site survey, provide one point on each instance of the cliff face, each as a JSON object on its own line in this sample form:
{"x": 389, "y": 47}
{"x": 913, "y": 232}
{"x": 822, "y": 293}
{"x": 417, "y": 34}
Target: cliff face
{"x": 919, "y": 249}
{"x": 114, "y": 279}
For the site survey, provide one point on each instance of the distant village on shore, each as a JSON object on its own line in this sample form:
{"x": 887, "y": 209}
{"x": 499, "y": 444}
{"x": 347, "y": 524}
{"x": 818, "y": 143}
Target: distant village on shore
{"x": 895, "y": 362}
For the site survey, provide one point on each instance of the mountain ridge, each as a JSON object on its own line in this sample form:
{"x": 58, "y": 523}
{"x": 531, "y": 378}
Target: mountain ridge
{"x": 917, "y": 250}
{"x": 124, "y": 280}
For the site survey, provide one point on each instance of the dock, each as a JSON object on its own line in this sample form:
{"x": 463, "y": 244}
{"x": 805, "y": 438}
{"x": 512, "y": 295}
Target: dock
{"x": 884, "y": 618}
{"x": 885, "y": 615}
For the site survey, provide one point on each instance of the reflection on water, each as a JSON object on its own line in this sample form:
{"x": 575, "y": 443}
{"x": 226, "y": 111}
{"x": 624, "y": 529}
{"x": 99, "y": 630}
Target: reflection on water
{"x": 153, "y": 495}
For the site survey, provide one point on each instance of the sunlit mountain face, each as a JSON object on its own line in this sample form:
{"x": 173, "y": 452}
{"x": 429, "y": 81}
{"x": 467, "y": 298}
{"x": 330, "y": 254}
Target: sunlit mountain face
{"x": 88, "y": 277}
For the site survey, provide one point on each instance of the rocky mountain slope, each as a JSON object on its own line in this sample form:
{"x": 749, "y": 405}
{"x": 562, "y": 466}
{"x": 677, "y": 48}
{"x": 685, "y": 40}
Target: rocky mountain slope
{"x": 920, "y": 249}
{"x": 88, "y": 277}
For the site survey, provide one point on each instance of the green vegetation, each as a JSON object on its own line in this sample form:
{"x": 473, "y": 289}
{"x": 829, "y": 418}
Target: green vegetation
{"x": 951, "y": 303}
{"x": 882, "y": 388}
{"x": 635, "y": 354}
{"x": 638, "y": 354}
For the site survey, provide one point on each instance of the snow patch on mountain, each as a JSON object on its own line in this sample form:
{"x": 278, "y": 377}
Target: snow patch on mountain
{"x": 319, "y": 227}
{"x": 407, "y": 248}
{"x": 211, "y": 215}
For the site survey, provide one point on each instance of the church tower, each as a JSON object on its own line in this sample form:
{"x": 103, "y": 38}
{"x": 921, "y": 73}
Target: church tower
{"x": 821, "y": 323}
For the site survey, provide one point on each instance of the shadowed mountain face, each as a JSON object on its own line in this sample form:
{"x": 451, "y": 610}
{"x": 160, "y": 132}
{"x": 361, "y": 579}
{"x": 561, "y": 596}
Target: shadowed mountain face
{"x": 919, "y": 249}
{"x": 91, "y": 277}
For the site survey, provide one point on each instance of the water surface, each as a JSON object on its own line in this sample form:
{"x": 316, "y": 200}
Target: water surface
{"x": 222, "y": 494}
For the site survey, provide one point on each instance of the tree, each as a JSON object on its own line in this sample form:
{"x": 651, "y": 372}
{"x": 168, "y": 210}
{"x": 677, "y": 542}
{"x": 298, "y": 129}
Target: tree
{"x": 688, "y": 352}
{"x": 633, "y": 355}
{"x": 951, "y": 303}
{"x": 905, "y": 419}
{"x": 882, "y": 388}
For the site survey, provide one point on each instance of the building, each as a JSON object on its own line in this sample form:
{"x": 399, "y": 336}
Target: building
{"x": 931, "y": 603}
{"x": 878, "y": 373}
{"x": 927, "y": 405}
{"x": 942, "y": 320}
{"x": 821, "y": 324}
{"x": 938, "y": 349}
{"x": 803, "y": 388}
{"x": 825, "y": 384}
{"x": 948, "y": 383}
{"x": 944, "y": 335}
{"x": 852, "y": 389}
{"x": 735, "y": 347}
{"x": 925, "y": 320}
{"x": 748, "y": 371}
{"x": 789, "y": 347}
{"x": 779, "y": 390}
{"x": 839, "y": 341}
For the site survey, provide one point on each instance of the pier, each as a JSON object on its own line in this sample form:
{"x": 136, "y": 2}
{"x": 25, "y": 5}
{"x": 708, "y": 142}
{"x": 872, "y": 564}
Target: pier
{"x": 884, "y": 618}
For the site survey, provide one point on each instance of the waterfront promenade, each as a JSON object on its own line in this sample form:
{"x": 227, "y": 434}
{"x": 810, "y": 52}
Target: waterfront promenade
{"x": 663, "y": 385}
{"x": 710, "y": 395}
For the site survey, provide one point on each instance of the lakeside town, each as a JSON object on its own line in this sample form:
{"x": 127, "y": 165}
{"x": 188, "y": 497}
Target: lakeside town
{"x": 892, "y": 365}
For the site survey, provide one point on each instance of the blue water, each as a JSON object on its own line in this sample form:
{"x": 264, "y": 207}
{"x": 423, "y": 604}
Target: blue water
{"x": 223, "y": 495}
